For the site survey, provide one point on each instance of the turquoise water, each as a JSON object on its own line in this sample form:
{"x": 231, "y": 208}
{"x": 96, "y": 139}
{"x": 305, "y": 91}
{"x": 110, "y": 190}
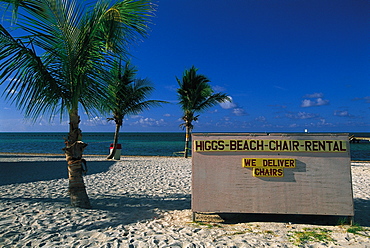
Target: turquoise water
{"x": 150, "y": 144}
{"x": 140, "y": 144}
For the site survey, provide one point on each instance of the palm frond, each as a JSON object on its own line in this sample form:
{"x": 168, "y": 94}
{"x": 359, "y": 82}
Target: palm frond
{"x": 77, "y": 44}
{"x": 211, "y": 101}
{"x": 129, "y": 19}
{"x": 128, "y": 95}
{"x": 195, "y": 94}
{"x": 26, "y": 73}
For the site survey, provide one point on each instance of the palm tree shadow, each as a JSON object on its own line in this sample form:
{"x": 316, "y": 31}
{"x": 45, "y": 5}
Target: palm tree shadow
{"x": 361, "y": 207}
{"x": 31, "y": 171}
{"x": 362, "y": 210}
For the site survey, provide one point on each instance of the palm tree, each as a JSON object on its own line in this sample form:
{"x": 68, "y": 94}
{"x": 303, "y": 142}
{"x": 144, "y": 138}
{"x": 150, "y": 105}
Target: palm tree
{"x": 127, "y": 96}
{"x": 195, "y": 95}
{"x": 61, "y": 63}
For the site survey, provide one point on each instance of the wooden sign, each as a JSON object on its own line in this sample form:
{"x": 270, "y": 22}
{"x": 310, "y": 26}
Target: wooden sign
{"x": 306, "y": 173}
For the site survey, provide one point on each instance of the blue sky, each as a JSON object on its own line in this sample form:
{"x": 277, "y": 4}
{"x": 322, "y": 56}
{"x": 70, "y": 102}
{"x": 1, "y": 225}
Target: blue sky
{"x": 288, "y": 65}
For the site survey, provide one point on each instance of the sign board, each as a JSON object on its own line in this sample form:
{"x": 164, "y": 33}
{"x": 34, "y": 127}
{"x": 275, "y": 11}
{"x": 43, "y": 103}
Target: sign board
{"x": 306, "y": 173}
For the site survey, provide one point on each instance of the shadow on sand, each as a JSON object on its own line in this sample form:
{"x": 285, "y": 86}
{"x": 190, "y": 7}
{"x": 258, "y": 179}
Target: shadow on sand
{"x": 31, "y": 171}
{"x": 362, "y": 217}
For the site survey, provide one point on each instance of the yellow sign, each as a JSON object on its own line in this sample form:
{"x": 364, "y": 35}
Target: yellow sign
{"x": 268, "y": 172}
{"x": 268, "y": 167}
{"x": 270, "y": 146}
{"x": 269, "y": 162}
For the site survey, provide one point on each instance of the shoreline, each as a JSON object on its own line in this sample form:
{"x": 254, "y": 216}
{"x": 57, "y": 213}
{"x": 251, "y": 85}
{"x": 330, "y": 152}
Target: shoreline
{"x": 144, "y": 201}
{"x": 84, "y": 155}
{"x": 122, "y": 156}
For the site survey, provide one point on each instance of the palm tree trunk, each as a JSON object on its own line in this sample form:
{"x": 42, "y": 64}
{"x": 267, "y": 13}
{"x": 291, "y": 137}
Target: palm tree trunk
{"x": 73, "y": 152}
{"x": 115, "y": 141}
{"x": 187, "y": 135}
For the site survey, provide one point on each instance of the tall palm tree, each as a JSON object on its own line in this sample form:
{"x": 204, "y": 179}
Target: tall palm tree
{"x": 128, "y": 96}
{"x": 195, "y": 95}
{"x": 61, "y": 62}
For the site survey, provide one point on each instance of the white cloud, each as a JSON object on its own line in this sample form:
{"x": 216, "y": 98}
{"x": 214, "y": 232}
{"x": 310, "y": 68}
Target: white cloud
{"x": 293, "y": 125}
{"x": 171, "y": 87}
{"x": 324, "y": 123}
{"x": 239, "y": 112}
{"x": 167, "y": 115}
{"x": 218, "y": 88}
{"x": 321, "y": 102}
{"x": 96, "y": 121}
{"x": 278, "y": 106}
{"x": 307, "y": 103}
{"x": 226, "y": 118}
{"x": 342, "y": 113}
{"x": 366, "y": 99}
{"x": 261, "y": 118}
{"x": 301, "y": 115}
{"x": 311, "y": 103}
{"x": 227, "y": 104}
{"x": 236, "y": 110}
{"x": 149, "y": 122}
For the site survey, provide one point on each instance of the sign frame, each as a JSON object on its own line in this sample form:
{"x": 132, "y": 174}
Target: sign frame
{"x": 320, "y": 183}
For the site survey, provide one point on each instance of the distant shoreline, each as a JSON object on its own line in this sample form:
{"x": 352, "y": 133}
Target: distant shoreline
{"x": 99, "y": 155}
{"x": 182, "y": 132}
{"x": 85, "y": 155}
{"x": 165, "y": 144}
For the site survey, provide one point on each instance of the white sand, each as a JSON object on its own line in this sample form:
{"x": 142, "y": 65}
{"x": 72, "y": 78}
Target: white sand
{"x": 139, "y": 202}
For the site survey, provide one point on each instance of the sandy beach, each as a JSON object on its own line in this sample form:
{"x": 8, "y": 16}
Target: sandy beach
{"x": 145, "y": 202}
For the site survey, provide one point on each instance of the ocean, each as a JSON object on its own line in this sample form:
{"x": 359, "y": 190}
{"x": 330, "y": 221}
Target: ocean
{"x": 133, "y": 144}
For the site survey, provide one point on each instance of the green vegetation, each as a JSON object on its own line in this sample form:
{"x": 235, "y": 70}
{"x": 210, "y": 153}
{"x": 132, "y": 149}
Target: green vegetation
{"x": 359, "y": 230}
{"x": 209, "y": 225}
{"x": 269, "y": 232}
{"x": 127, "y": 95}
{"x": 309, "y": 234}
{"x": 240, "y": 232}
{"x": 195, "y": 95}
